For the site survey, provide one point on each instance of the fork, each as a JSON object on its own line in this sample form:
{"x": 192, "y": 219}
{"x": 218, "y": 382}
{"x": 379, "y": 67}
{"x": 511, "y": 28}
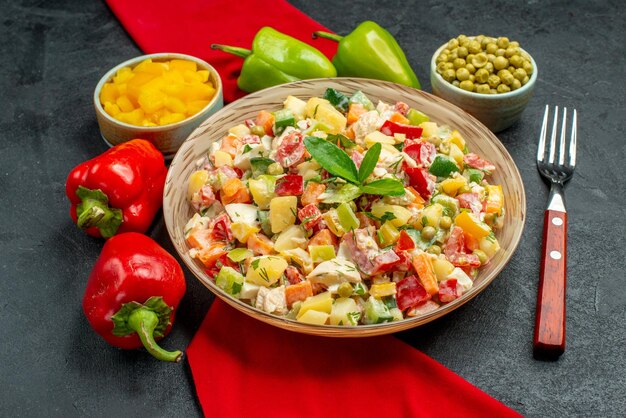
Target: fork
{"x": 549, "y": 338}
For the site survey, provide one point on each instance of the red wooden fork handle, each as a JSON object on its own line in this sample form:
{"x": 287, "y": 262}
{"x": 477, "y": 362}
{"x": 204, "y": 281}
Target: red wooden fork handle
{"x": 549, "y": 340}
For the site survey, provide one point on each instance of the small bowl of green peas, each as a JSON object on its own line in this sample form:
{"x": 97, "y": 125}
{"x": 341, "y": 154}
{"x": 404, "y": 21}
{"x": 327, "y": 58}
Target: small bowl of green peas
{"x": 490, "y": 78}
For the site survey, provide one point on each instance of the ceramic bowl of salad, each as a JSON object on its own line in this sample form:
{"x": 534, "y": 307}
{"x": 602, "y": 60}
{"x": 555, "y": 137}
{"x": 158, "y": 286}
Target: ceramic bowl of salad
{"x": 344, "y": 207}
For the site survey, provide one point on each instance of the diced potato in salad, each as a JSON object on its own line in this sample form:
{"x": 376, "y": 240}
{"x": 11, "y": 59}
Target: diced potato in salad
{"x": 336, "y": 211}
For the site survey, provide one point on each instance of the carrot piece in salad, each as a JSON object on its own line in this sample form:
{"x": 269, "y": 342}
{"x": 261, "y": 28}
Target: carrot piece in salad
{"x": 260, "y": 244}
{"x": 298, "y": 292}
{"x": 323, "y": 237}
{"x": 231, "y": 144}
{"x": 210, "y": 254}
{"x": 266, "y": 120}
{"x": 199, "y": 238}
{"x": 424, "y": 269}
{"x": 234, "y": 191}
{"x": 311, "y": 193}
{"x": 355, "y": 112}
{"x": 399, "y": 118}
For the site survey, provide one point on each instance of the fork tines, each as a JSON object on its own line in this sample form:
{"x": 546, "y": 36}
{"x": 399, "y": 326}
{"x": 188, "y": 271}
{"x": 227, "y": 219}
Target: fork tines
{"x": 563, "y": 149}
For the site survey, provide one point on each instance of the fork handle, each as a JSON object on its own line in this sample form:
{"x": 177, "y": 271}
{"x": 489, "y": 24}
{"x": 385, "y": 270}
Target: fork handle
{"x": 549, "y": 340}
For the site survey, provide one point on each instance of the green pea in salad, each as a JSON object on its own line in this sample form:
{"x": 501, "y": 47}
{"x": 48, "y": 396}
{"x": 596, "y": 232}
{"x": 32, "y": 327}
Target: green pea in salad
{"x": 341, "y": 212}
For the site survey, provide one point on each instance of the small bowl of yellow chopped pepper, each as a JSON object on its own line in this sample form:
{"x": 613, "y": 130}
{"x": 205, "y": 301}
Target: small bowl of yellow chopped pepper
{"x": 158, "y": 97}
{"x": 490, "y": 78}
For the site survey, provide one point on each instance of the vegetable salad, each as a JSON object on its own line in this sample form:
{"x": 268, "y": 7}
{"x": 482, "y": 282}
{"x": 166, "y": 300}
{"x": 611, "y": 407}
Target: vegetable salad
{"x": 339, "y": 211}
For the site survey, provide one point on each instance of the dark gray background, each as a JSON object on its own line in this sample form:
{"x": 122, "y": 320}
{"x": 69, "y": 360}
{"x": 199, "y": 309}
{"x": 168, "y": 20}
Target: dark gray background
{"x": 52, "y": 55}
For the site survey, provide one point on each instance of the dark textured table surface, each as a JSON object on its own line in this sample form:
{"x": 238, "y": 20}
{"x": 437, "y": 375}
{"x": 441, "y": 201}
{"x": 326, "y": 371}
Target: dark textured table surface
{"x": 53, "y": 54}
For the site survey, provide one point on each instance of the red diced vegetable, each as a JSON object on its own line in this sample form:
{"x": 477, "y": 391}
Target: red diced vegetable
{"x": 310, "y": 216}
{"x": 293, "y": 275}
{"x": 291, "y": 150}
{"x": 220, "y": 228}
{"x": 410, "y": 293}
{"x": 420, "y": 180}
{"x": 385, "y": 261}
{"x": 449, "y": 290}
{"x": 475, "y": 161}
{"x": 289, "y": 185}
{"x": 390, "y": 128}
{"x": 405, "y": 242}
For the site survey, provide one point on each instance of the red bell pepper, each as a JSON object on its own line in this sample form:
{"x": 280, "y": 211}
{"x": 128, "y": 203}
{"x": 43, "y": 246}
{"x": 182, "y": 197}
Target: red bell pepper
{"x": 119, "y": 191}
{"x": 420, "y": 180}
{"x": 289, "y": 185}
{"x": 133, "y": 292}
{"x": 410, "y": 293}
{"x": 390, "y": 128}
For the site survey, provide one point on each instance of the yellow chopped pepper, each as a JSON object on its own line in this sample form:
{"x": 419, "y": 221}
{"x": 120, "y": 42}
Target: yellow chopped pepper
{"x": 495, "y": 199}
{"x": 471, "y": 225}
{"x": 383, "y": 289}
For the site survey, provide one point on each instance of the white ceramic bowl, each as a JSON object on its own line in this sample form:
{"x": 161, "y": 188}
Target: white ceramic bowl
{"x": 177, "y": 210}
{"x": 166, "y": 138}
{"x": 496, "y": 111}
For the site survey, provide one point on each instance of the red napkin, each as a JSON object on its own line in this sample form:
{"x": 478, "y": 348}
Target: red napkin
{"x": 191, "y": 26}
{"x": 245, "y": 368}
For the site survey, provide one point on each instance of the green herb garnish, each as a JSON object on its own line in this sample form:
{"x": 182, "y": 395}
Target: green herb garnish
{"x": 339, "y": 164}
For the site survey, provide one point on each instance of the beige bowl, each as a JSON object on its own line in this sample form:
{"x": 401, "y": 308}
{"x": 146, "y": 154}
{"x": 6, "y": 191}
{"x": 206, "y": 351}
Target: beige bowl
{"x": 177, "y": 210}
{"x": 496, "y": 111}
{"x": 167, "y": 138}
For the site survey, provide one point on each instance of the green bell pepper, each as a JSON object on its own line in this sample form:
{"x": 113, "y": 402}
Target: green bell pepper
{"x": 277, "y": 58}
{"x": 371, "y": 52}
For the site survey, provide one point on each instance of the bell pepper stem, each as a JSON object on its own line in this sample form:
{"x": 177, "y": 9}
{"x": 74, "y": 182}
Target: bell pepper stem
{"x": 327, "y": 35}
{"x": 143, "y": 321}
{"x": 94, "y": 211}
{"x": 240, "y": 52}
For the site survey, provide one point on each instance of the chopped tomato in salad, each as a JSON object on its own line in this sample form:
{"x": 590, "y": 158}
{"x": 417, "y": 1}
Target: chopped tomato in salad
{"x": 337, "y": 211}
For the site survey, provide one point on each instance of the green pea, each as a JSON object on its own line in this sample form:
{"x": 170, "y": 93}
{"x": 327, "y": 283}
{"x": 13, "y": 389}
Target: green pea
{"x": 474, "y": 47}
{"x": 500, "y": 63}
{"x": 511, "y": 51}
{"x": 461, "y": 38}
{"x": 503, "y": 88}
{"x": 480, "y": 60}
{"x": 345, "y": 290}
{"x": 506, "y": 77}
{"x": 462, "y": 52}
{"x": 489, "y": 67}
{"x": 481, "y": 256}
{"x": 528, "y": 67}
{"x": 516, "y": 84}
{"x": 442, "y": 58}
{"x": 516, "y": 61}
{"x": 257, "y": 130}
{"x": 462, "y": 74}
{"x": 428, "y": 233}
{"x": 470, "y": 68}
{"x": 493, "y": 81}
{"x": 481, "y": 75}
{"x": 491, "y": 48}
{"x": 511, "y": 69}
{"x": 456, "y": 83}
{"x": 500, "y": 52}
{"x": 458, "y": 63}
{"x": 445, "y": 222}
{"x": 519, "y": 74}
{"x": 525, "y": 80}
{"x": 446, "y": 51}
{"x": 469, "y": 57}
{"x": 491, "y": 57}
{"x": 449, "y": 66}
{"x": 434, "y": 249}
{"x": 467, "y": 85}
{"x": 465, "y": 42}
{"x": 441, "y": 67}
{"x": 479, "y": 39}
{"x": 449, "y": 75}
{"x": 503, "y": 42}
{"x": 453, "y": 43}
{"x": 493, "y": 91}
{"x": 482, "y": 88}
{"x": 514, "y": 44}
{"x": 472, "y": 78}
{"x": 486, "y": 41}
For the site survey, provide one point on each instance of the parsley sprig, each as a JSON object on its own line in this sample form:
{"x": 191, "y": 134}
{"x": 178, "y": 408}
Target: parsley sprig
{"x": 335, "y": 160}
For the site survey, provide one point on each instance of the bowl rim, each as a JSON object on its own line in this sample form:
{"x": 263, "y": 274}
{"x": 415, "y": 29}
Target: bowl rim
{"x": 488, "y": 97}
{"x": 358, "y": 331}
{"x": 160, "y": 56}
